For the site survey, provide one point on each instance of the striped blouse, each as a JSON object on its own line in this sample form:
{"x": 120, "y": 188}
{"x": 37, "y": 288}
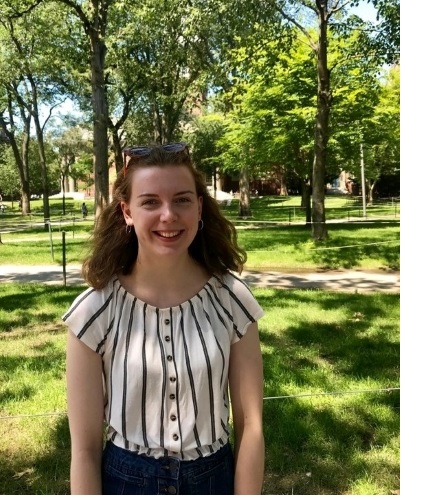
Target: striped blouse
{"x": 166, "y": 369}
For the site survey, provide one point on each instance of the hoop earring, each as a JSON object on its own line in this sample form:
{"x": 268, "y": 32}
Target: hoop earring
{"x": 128, "y": 229}
{"x": 201, "y": 225}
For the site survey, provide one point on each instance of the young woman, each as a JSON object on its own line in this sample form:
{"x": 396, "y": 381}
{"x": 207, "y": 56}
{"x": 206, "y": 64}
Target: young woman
{"x": 163, "y": 348}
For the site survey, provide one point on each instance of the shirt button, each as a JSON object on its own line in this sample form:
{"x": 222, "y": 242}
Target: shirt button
{"x": 173, "y": 417}
{"x": 167, "y": 338}
{"x": 175, "y": 437}
{"x": 169, "y": 358}
{"x": 166, "y": 321}
{"x": 172, "y": 379}
{"x": 172, "y": 396}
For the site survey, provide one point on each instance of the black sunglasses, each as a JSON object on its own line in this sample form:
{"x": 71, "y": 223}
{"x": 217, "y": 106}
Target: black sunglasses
{"x": 145, "y": 151}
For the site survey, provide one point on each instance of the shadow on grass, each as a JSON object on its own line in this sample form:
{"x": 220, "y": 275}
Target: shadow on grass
{"x": 315, "y": 447}
{"x": 312, "y": 449}
{"x": 339, "y": 251}
{"x": 22, "y": 304}
{"x": 41, "y": 472}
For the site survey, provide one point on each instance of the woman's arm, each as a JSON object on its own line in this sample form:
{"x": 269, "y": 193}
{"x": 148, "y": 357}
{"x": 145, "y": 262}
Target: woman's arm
{"x": 85, "y": 406}
{"x": 246, "y": 393}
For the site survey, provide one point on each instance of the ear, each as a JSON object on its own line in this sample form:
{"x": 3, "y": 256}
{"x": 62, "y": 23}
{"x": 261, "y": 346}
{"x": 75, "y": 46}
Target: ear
{"x": 126, "y": 213}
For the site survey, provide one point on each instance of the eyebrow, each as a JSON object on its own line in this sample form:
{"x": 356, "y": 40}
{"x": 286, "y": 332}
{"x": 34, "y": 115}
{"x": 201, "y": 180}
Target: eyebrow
{"x": 186, "y": 192}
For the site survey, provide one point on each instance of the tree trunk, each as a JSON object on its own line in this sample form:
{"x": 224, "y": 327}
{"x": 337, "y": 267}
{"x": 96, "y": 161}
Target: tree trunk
{"x": 281, "y": 175}
{"x": 371, "y": 193}
{"x": 244, "y": 194}
{"x": 21, "y": 157}
{"x": 95, "y": 24}
{"x": 100, "y": 109}
{"x": 117, "y": 148}
{"x": 319, "y": 229}
{"x": 43, "y": 162}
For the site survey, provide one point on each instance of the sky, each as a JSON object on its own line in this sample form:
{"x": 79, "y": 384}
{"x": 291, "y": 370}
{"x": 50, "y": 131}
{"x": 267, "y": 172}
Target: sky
{"x": 366, "y": 11}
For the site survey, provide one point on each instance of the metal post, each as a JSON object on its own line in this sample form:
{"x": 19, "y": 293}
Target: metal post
{"x": 362, "y": 170}
{"x": 51, "y": 239}
{"x": 64, "y": 256}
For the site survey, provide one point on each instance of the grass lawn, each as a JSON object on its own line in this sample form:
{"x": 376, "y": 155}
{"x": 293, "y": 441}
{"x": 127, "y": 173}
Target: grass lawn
{"x": 327, "y": 355}
{"x": 358, "y": 245}
{"x": 331, "y": 360}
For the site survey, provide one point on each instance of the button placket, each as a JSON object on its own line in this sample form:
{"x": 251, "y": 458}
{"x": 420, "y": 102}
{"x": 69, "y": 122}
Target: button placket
{"x": 172, "y": 408}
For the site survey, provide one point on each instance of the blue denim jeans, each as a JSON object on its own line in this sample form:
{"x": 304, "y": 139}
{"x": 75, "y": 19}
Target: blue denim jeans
{"x": 126, "y": 472}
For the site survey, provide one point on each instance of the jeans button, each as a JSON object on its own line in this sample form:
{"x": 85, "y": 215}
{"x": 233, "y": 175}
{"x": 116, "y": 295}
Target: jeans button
{"x": 172, "y": 489}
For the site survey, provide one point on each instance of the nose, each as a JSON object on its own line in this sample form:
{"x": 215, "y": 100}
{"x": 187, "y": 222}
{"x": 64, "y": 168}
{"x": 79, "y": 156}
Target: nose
{"x": 168, "y": 213}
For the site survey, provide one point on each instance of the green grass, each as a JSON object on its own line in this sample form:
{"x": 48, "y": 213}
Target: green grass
{"x": 360, "y": 244}
{"x": 313, "y": 342}
{"x": 326, "y": 354}
{"x": 349, "y": 246}
{"x": 288, "y": 209}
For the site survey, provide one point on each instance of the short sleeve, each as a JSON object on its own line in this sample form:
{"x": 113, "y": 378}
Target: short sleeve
{"x": 245, "y": 309}
{"x": 88, "y": 317}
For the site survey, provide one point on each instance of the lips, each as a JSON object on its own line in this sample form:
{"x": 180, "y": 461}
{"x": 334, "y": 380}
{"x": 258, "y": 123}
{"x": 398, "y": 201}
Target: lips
{"x": 168, "y": 234}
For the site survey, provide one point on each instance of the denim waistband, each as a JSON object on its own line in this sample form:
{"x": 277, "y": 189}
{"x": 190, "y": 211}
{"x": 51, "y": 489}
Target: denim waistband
{"x": 126, "y": 472}
{"x": 126, "y": 461}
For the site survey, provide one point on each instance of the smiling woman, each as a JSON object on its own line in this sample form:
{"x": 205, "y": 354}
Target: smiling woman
{"x": 170, "y": 331}
{"x": 164, "y": 211}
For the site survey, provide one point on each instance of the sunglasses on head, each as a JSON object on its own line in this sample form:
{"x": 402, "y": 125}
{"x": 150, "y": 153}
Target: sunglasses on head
{"x": 145, "y": 151}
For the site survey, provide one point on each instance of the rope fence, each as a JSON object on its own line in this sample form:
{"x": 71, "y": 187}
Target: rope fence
{"x": 301, "y": 395}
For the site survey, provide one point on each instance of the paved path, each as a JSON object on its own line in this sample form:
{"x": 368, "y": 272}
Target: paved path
{"x": 347, "y": 281}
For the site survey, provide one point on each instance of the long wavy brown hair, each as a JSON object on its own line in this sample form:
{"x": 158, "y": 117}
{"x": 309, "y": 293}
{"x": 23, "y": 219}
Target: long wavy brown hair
{"x": 114, "y": 251}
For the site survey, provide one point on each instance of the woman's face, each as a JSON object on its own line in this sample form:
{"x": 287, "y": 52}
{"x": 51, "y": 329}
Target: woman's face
{"x": 164, "y": 210}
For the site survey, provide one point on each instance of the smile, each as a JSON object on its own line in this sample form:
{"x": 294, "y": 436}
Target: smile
{"x": 168, "y": 234}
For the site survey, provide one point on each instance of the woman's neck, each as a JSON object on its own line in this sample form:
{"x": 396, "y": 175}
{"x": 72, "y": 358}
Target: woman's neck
{"x": 164, "y": 284}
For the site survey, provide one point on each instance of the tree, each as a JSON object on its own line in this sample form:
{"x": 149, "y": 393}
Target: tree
{"x": 323, "y": 10}
{"x": 378, "y": 133}
{"x": 30, "y": 73}
{"x": 203, "y": 136}
{"x": 93, "y": 15}
{"x": 278, "y": 111}
{"x": 157, "y": 71}
{"x": 18, "y": 134}
{"x": 9, "y": 182}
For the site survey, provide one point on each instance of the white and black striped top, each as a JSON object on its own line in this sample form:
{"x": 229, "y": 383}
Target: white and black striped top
{"x": 166, "y": 369}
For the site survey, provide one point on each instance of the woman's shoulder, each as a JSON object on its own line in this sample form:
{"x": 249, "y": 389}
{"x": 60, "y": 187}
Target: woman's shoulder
{"x": 237, "y": 298}
{"x": 232, "y": 282}
{"x": 236, "y": 290}
{"x": 91, "y": 299}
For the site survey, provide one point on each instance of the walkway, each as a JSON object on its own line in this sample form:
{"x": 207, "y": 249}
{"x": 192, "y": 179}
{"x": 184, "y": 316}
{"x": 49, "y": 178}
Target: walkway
{"x": 342, "y": 280}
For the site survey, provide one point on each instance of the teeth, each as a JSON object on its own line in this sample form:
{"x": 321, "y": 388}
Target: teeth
{"x": 168, "y": 234}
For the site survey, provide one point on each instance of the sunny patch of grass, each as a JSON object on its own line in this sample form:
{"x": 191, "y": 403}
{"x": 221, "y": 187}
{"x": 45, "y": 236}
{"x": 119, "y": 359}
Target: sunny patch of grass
{"x": 331, "y": 422}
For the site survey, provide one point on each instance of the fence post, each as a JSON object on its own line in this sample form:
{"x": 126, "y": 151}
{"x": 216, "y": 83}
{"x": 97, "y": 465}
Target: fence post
{"x": 64, "y": 256}
{"x": 51, "y": 239}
